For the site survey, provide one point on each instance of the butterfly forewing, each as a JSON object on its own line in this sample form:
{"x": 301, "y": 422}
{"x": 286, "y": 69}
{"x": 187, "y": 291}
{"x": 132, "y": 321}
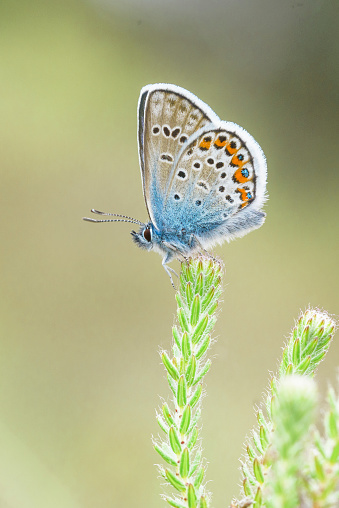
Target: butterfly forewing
{"x": 168, "y": 117}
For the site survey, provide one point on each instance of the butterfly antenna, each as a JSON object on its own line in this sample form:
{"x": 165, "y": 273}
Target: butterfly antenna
{"x": 124, "y": 218}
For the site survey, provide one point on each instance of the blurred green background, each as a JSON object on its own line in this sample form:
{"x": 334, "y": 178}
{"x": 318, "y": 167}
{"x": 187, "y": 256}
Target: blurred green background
{"x": 83, "y": 312}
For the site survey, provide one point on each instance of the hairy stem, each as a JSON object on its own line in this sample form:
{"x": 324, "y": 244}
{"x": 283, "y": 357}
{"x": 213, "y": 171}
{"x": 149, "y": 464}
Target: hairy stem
{"x": 186, "y": 366}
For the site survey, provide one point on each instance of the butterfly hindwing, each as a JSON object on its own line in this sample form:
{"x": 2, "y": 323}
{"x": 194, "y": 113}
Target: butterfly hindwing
{"x": 217, "y": 181}
{"x": 168, "y": 117}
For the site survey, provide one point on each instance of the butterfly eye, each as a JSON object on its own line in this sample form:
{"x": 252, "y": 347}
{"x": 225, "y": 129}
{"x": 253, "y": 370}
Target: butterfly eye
{"x": 147, "y": 234}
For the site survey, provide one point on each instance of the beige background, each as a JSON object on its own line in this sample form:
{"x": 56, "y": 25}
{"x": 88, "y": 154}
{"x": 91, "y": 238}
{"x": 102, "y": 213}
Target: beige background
{"x": 83, "y": 312}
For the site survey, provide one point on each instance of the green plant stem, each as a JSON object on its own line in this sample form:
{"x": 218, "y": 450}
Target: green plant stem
{"x": 293, "y": 415}
{"x": 186, "y": 366}
{"x": 306, "y": 348}
{"x": 322, "y": 473}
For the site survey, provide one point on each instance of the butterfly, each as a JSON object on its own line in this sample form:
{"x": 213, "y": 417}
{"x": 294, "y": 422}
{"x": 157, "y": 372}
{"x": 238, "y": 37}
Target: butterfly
{"x": 204, "y": 179}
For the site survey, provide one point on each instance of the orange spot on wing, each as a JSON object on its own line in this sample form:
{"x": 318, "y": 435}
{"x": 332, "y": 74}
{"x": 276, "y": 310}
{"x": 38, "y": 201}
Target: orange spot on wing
{"x": 205, "y": 144}
{"x": 231, "y": 148}
{"x": 239, "y": 177}
{"x": 238, "y": 160}
{"x": 245, "y": 195}
{"x": 220, "y": 143}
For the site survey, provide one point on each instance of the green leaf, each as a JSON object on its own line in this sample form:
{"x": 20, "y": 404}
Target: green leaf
{"x": 195, "y": 310}
{"x": 174, "y": 441}
{"x": 317, "y": 358}
{"x": 185, "y": 463}
{"x": 247, "y": 488}
{"x": 262, "y": 420}
{"x": 189, "y": 275}
{"x": 167, "y": 415}
{"x": 332, "y": 425}
{"x": 183, "y": 320}
{"x": 258, "y": 498}
{"x": 174, "y": 481}
{"x": 217, "y": 279}
{"x": 203, "y": 502}
{"x": 295, "y": 331}
{"x": 311, "y": 346}
{"x": 284, "y": 362}
{"x": 191, "y": 496}
{"x": 200, "y": 284}
{"x": 172, "y": 385}
{"x": 335, "y": 454}
{"x": 319, "y": 469}
{"x": 199, "y": 330}
{"x": 191, "y": 370}
{"x": 171, "y": 369}
{"x": 305, "y": 334}
{"x": 182, "y": 366}
{"x": 263, "y": 437}
{"x": 189, "y": 293}
{"x": 274, "y": 387}
{"x": 204, "y": 346}
{"x": 185, "y": 419}
{"x": 195, "y": 463}
{"x": 182, "y": 392}
{"x": 208, "y": 298}
{"x": 257, "y": 470}
{"x": 257, "y": 442}
{"x": 289, "y": 369}
{"x": 210, "y": 278}
{"x": 247, "y": 474}
{"x": 213, "y": 308}
{"x": 273, "y": 406}
{"x": 250, "y": 452}
{"x": 321, "y": 332}
{"x": 193, "y": 438}
{"x": 194, "y": 420}
{"x": 162, "y": 424}
{"x": 196, "y": 396}
{"x": 175, "y": 503}
{"x": 296, "y": 352}
{"x": 199, "y": 478}
{"x": 176, "y": 337}
{"x": 203, "y": 372}
{"x": 304, "y": 364}
{"x": 165, "y": 455}
{"x": 186, "y": 346}
{"x": 326, "y": 342}
{"x": 179, "y": 300}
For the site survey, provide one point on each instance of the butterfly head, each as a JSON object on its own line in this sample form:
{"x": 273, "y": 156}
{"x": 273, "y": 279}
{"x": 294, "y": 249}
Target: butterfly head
{"x": 144, "y": 237}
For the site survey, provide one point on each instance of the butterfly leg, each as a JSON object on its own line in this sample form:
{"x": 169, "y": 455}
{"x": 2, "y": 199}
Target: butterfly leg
{"x": 169, "y": 270}
{"x": 168, "y": 256}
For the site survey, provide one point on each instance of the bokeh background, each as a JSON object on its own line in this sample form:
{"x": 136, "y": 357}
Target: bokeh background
{"x": 83, "y": 312}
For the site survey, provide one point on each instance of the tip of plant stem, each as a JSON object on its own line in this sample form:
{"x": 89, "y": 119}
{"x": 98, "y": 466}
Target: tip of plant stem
{"x": 202, "y": 259}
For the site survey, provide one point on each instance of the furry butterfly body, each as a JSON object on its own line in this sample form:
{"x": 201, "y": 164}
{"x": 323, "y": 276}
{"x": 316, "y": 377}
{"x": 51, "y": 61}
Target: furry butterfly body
{"x": 204, "y": 179}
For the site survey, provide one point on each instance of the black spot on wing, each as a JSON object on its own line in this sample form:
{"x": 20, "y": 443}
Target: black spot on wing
{"x": 167, "y": 157}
